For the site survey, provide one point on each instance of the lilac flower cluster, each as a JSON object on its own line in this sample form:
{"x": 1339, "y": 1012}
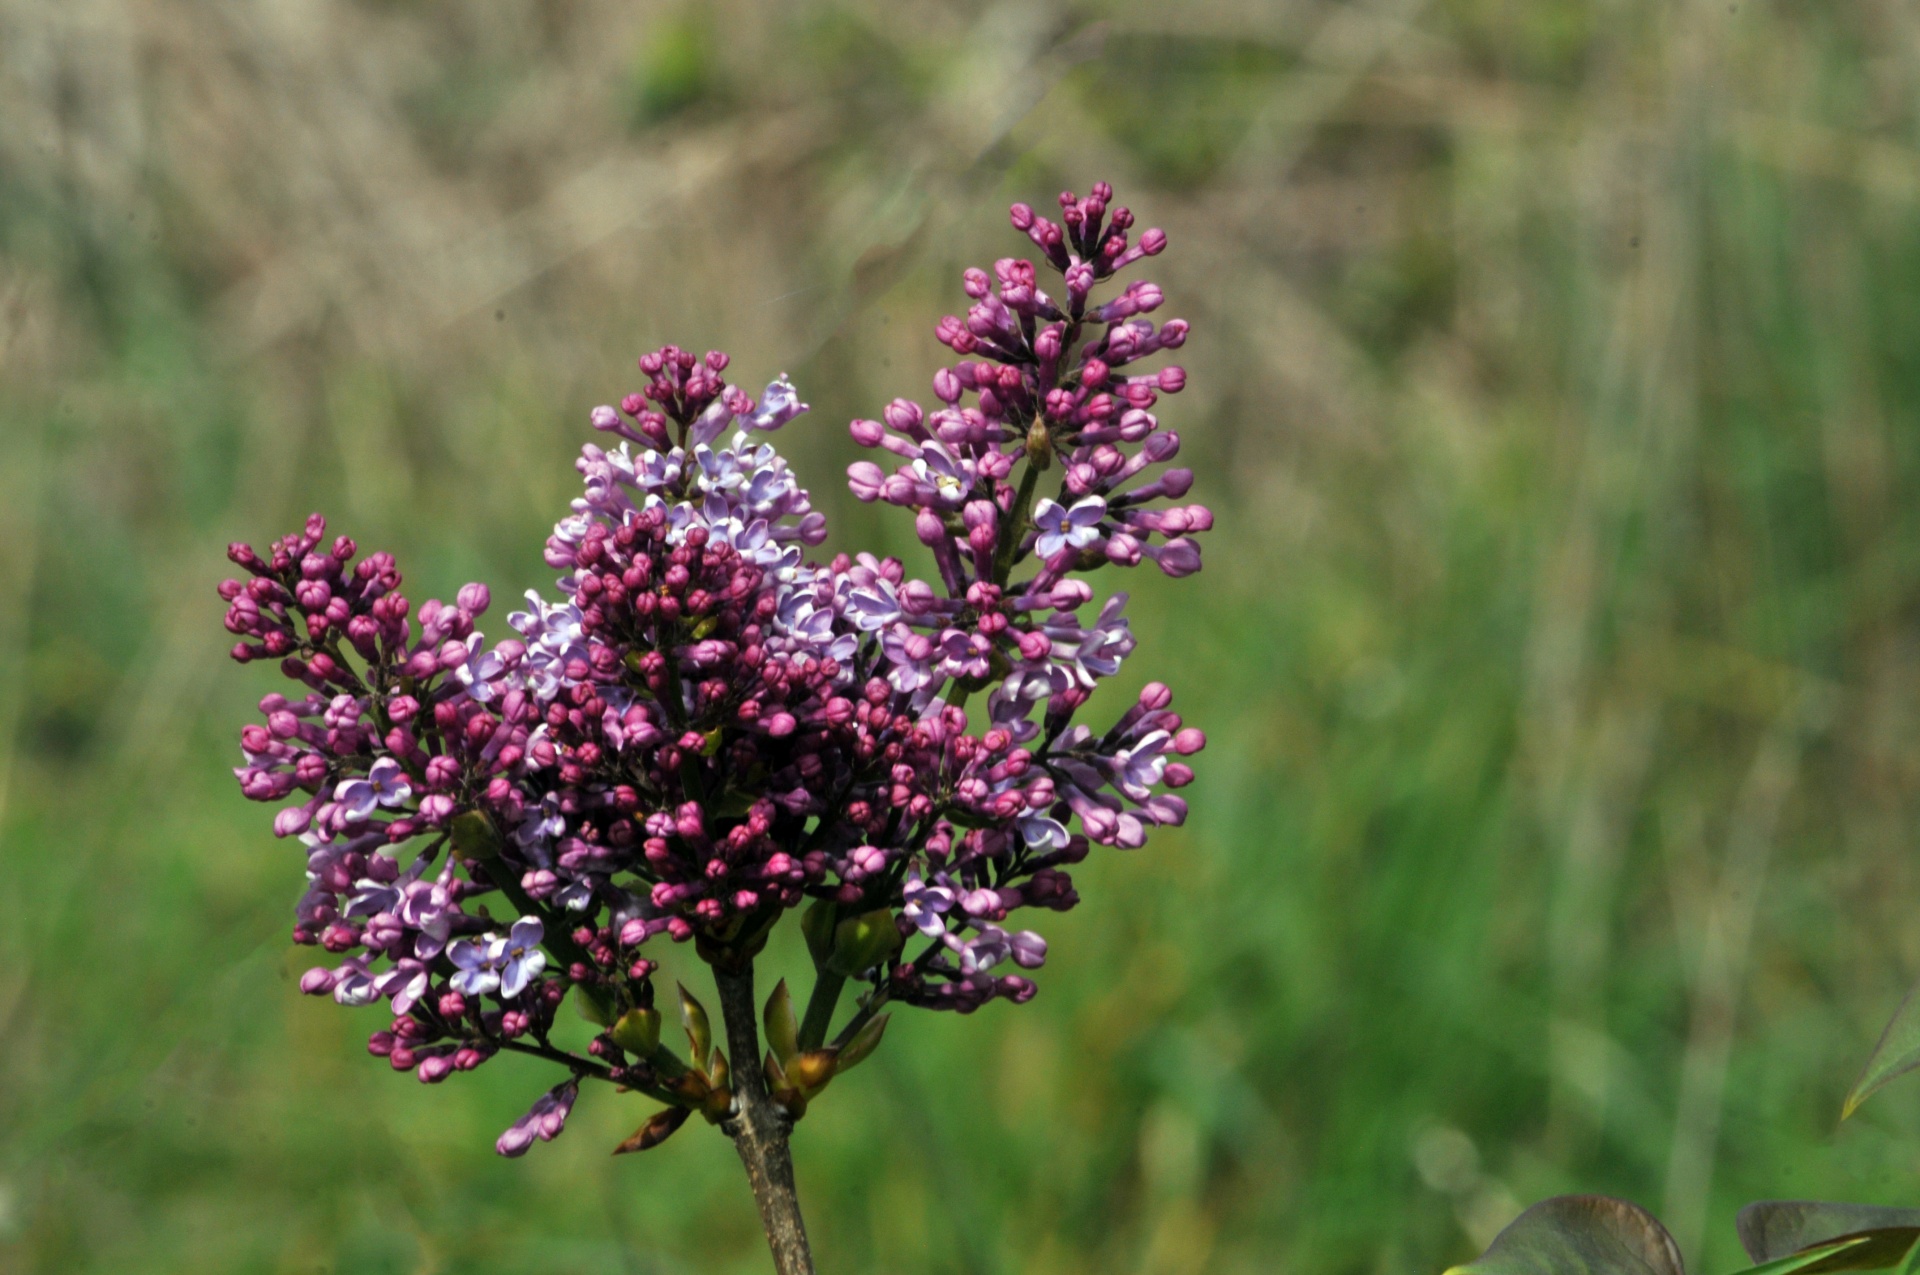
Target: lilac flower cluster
{"x": 704, "y": 729}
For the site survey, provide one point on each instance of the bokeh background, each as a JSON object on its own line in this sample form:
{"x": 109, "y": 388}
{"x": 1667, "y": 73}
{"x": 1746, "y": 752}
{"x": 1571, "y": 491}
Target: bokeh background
{"x": 1556, "y": 379}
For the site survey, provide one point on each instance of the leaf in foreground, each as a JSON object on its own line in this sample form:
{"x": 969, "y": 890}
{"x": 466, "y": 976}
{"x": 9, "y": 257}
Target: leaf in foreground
{"x": 1773, "y": 1230}
{"x": 1897, "y": 1053}
{"x": 1580, "y": 1235}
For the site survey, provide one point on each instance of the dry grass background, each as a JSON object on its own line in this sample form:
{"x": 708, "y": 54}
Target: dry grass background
{"x": 1556, "y": 383}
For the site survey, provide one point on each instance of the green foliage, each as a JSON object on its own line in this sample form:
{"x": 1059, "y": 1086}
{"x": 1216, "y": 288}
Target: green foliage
{"x": 1873, "y": 1238}
{"x": 1580, "y": 1235}
{"x": 1179, "y": 104}
{"x": 677, "y": 68}
{"x": 1896, "y": 1054}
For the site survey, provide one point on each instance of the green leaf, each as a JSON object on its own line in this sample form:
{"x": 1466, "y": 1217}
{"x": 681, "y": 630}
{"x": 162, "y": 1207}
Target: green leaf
{"x": 864, "y": 1042}
{"x": 474, "y": 835}
{"x": 1774, "y": 1229}
{"x": 693, "y": 1016}
{"x": 1897, "y": 1053}
{"x": 817, "y": 923}
{"x": 1580, "y": 1235}
{"x": 783, "y": 1031}
{"x": 1837, "y": 1256}
{"x": 593, "y": 1004}
{"x": 862, "y": 942}
{"x": 1910, "y": 1264}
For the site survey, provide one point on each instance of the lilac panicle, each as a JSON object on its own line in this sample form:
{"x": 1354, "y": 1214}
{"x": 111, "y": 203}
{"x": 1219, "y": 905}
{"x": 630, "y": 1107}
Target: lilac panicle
{"x": 702, "y": 728}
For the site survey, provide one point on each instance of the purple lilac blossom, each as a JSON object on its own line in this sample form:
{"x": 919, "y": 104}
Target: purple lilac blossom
{"x": 705, "y": 729}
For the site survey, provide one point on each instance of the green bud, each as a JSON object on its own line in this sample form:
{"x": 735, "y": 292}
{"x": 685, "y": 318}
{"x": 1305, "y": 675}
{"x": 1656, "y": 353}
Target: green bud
{"x": 864, "y": 1042}
{"x": 1039, "y": 445}
{"x": 654, "y": 1132}
{"x": 862, "y": 942}
{"x": 638, "y": 1032}
{"x": 811, "y": 1071}
{"x": 475, "y": 836}
{"x": 693, "y": 1016}
{"x": 783, "y": 1030}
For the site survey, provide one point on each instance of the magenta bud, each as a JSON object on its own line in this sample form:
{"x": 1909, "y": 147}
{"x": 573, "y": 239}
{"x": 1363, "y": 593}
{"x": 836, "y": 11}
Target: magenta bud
{"x": 916, "y": 597}
{"x": 1180, "y": 557}
{"x": 927, "y": 525}
{"x": 474, "y": 598}
{"x": 1153, "y": 242}
{"x": 903, "y": 415}
{"x": 1189, "y": 741}
{"x": 867, "y": 433}
{"x": 435, "y": 1069}
{"x": 1173, "y": 379}
{"x": 1155, "y": 696}
{"x": 1021, "y": 215}
{"x": 317, "y": 981}
{"x": 865, "y": 480}
{"x": 605, "y": 418}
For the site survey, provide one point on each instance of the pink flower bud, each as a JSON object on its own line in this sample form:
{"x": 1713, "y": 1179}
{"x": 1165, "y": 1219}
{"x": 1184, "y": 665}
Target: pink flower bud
{"x": 927, "y": 526}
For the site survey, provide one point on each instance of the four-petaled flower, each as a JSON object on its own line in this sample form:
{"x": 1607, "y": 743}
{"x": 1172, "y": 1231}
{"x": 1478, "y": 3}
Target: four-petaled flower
{"x": 385, "y": 784}
{"x": 1061, "y": 527}
{"x": 925, "y": 905}
{"x": 503, "y": 964}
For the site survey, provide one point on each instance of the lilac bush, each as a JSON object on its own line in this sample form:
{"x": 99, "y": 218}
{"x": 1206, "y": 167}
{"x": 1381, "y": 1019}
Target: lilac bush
{"x": 702, "y": 728}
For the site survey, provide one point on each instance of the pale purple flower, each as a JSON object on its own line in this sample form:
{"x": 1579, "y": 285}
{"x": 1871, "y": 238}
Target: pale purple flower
{"x": 779, "y": 403}
{"x": 1067, "y": 528}
{"x": 371, "y": 897}
{"x": 482, "y": 672}
{"x": 521, "y": 958}
{"x": 873, "y": 606}
{"x": 477, "y": 970}
{"x": 405, "y": 982}
{"x": 982, "y": 952}
{"x": 911, "y": 656}
{"x": 925, "y": 905}
{"x": 1041, "y": 831}
{"x": 947, "y": 477}
{"x": 493, "y": 963}
{"x": 352, "y": 985}
{"x": 1137, "y": 769}
{"x": 385, "y": 784}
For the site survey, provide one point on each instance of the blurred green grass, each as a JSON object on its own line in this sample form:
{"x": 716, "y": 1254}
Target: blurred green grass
{"x": 1555, "y": 384}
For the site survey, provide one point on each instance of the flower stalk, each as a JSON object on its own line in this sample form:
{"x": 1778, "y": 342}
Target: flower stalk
{"x": 760, "y": 1127}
